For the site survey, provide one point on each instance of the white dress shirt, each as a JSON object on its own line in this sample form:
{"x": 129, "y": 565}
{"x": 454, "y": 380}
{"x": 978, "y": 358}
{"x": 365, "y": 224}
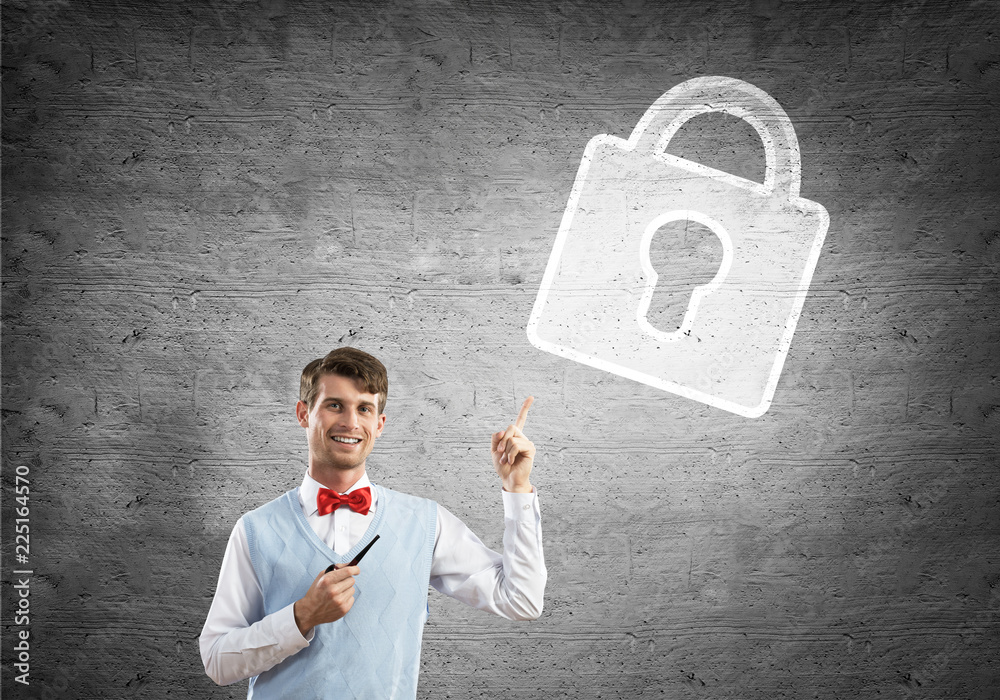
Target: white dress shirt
{"x": 239, "y": 641}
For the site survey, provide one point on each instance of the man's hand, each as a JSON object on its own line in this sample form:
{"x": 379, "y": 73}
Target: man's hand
{"x": 329, "y": 598}
{"x": 514, "y": 454}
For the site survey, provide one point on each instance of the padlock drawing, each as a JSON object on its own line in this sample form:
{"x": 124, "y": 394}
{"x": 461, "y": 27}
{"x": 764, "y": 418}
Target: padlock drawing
{"x": 731, "y": 345}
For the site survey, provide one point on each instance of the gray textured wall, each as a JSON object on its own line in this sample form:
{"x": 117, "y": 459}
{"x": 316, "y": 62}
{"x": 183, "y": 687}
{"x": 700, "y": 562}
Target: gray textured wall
{"x": 200, "y": 197}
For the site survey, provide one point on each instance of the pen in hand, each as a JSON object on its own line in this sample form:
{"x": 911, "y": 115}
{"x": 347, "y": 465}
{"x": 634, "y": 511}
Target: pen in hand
{"x": 354, "y": 562}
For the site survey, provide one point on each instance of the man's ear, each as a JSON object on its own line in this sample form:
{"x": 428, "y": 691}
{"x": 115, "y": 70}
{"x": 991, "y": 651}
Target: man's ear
{"x": 381, "y": 425}
{"x": 302, "y": 414}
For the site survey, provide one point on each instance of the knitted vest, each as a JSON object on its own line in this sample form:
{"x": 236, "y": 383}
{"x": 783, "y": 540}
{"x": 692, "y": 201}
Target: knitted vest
{"x": 373, "y": 652}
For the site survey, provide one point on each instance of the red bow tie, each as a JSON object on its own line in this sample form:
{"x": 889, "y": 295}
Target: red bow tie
{"x": 359, "y": 500}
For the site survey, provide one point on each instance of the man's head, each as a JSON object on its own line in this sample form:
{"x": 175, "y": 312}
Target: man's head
{"x": 341, "y": 398}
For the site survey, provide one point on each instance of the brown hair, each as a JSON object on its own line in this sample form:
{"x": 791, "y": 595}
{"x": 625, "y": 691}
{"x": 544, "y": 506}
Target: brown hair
{"x": 346, "y": 362}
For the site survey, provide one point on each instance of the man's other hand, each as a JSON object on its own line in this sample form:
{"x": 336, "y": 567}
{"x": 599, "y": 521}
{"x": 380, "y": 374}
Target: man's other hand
{"x": 514, "y": 454}
{"x": 329, "y": 598}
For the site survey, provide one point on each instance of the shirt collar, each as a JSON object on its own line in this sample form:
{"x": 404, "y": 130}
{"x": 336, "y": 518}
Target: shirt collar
{"x": 309, "y": 490}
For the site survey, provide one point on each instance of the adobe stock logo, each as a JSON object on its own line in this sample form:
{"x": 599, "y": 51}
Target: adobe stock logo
{"x": 595, "y": 295}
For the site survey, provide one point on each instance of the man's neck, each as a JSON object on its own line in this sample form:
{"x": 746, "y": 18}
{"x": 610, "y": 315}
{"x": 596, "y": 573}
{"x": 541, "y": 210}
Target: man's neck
{"x": 337, "y": 479}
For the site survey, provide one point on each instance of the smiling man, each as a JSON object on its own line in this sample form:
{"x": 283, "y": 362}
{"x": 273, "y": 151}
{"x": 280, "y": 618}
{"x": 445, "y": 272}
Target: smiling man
{"x": 299, "y": 631}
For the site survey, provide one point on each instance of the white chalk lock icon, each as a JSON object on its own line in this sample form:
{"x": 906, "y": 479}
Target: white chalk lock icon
{"x": 731, "y": 345}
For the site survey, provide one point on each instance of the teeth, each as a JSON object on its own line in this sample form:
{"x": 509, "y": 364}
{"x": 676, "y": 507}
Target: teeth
{"x": 349, "y": 441}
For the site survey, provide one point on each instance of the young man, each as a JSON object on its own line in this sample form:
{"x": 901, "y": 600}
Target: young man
{"x": 300, "y": 632}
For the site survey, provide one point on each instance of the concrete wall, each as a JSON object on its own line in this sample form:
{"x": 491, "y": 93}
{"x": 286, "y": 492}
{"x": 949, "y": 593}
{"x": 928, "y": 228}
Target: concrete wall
{"x": 200, "y": 197}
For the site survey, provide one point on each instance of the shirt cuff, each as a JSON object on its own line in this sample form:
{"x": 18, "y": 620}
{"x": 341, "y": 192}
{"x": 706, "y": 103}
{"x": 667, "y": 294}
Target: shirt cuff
{"x": 287, "y": 632}
{"x": 520, "y": 506}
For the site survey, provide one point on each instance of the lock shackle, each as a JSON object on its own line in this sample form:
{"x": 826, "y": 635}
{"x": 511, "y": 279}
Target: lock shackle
{"x": 683, "y": 102}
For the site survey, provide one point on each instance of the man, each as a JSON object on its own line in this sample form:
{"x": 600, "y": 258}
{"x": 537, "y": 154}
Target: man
{"x": 300, "y": 631}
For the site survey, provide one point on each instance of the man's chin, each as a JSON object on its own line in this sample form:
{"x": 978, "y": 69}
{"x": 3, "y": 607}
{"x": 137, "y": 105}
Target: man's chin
{"x": 344, "y": 465}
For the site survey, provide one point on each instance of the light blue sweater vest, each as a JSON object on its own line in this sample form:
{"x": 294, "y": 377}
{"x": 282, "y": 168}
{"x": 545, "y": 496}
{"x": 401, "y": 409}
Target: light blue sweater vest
{"x": 373, "y": 652}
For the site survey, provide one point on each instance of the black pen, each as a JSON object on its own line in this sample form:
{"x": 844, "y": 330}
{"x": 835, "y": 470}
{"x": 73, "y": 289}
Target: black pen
{"x": 354, "y": 562}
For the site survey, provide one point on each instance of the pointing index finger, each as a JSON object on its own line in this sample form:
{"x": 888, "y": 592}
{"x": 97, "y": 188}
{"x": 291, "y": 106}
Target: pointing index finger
{"x": 523, "y": 415}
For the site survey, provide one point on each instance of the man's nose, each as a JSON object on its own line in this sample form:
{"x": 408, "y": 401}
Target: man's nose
{"x": 350, "y": 419}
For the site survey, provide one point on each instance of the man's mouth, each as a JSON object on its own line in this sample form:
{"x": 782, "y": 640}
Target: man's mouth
{"x": 346, "y": 440}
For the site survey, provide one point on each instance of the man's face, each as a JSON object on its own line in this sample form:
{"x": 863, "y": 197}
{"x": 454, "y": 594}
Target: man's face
{"x": 341, "y": 425}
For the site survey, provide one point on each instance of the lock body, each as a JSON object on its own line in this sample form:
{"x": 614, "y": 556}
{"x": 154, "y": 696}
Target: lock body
{"x": 732, "y": 353}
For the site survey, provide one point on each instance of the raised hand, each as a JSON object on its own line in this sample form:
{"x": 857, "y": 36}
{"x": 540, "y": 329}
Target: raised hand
{"x": 514, "y": 454}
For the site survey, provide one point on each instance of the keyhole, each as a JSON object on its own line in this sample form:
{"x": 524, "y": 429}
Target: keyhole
{"x": 685, "y": 255}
